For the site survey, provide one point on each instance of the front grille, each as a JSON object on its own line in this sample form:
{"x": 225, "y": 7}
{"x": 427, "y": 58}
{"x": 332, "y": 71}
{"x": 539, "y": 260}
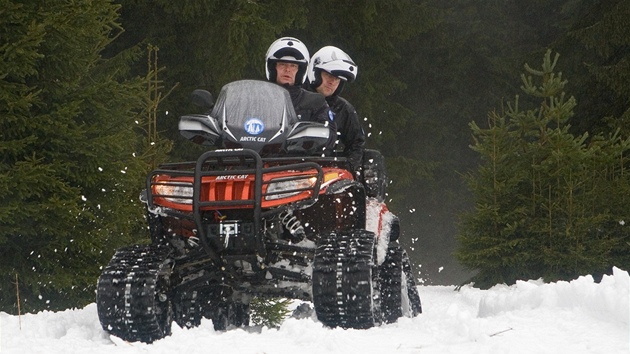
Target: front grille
{"x": 214, "y": 187}
{"x": 230, "y": 190}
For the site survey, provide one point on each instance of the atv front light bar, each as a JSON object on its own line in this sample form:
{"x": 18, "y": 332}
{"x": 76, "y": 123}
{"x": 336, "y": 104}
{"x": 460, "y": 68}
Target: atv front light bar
{"x": 276, "y": 187}
{"x": 175, "y": 192}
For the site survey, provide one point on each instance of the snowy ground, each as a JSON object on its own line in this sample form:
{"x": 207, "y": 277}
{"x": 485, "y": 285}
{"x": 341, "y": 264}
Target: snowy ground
{"x": 530, "y": 317}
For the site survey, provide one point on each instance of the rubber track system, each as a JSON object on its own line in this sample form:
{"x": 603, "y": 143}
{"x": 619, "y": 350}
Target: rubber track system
{"x": 190, "y": 307}
{"x": 412, "y": 289}
{"x": 132, "y": 294}
{"x": 230, "y": 314}
{"x": 390, "y": 273}
{"x": 399, "y": 294}
{"x": 343, "y": 293}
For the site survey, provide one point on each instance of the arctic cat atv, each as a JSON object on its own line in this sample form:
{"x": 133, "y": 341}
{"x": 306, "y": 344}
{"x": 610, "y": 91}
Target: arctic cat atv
{"x": 261, "y": 216}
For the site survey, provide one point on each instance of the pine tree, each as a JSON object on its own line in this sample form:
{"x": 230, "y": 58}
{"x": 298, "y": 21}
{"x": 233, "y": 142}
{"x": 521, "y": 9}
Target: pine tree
{"x": 542, "y": 194}
{"x": 270, "y": 312}
{"x": 68, "y": 176}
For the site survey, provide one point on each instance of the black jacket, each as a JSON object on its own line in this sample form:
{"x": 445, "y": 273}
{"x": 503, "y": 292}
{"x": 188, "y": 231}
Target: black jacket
{"x": 311, "y": 106}
{"x": 349, "y": 129}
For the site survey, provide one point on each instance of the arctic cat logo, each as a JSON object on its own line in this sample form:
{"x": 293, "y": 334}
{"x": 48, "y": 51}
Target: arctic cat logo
{"x": 231, "y": 177}
{"x": 254, "y": 126}
{"x": 259, "y": 139}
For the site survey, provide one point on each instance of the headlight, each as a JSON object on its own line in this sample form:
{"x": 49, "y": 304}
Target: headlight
{"x": 175, "y": 192}
{"x": 289, "y": 188}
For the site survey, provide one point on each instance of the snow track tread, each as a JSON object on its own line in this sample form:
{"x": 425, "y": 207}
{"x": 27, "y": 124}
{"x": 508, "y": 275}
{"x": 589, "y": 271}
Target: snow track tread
{"x": 399, "y": 294}
{"x": 412, "y": 289}
{"x": 391, "y": 283}
{"x": 342, "y": 280}
{"x": 128, "y": 293}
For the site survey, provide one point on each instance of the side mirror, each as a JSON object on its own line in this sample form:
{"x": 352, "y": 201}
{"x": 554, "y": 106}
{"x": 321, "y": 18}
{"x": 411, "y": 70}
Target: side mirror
{"x": 307, "y": 138}
{"x": 203, "y": 99}
{"x": 200, "y": 129}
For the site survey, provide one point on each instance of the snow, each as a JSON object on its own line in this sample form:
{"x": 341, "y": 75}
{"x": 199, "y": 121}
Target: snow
{"x": 580, "y": 316}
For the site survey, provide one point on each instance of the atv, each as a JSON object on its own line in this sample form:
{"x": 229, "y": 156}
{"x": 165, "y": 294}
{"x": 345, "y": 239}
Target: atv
{"x": 265, "y": 214}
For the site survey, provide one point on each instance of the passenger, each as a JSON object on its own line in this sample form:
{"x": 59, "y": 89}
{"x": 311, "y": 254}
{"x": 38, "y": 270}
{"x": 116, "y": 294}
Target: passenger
{"x": 286, "y": 63}
{"x": 328, "y": 71}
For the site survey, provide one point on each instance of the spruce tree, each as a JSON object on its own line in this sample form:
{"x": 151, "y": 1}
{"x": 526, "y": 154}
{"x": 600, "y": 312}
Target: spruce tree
{"x": 270, "y": 312}
{"x": 68, "y": 176}
{"x": 543, "y": 195}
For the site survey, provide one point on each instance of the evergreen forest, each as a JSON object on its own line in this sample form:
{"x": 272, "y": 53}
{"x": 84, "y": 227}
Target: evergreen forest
{"x": 505, "y": 126}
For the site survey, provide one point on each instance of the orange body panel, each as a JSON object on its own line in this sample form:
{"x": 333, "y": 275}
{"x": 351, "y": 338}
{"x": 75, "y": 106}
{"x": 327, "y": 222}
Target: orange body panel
{"x": 240, "y": 187}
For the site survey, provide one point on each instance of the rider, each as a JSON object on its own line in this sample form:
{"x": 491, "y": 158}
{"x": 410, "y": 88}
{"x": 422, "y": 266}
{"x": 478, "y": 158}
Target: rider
{"x": 328, "y": 71}
{"x": 286, "y": 62}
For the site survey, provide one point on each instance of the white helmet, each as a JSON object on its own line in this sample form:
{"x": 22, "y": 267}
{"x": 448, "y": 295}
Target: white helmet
{"x": 335, "y": 62}
{"x": 287, "y": 49}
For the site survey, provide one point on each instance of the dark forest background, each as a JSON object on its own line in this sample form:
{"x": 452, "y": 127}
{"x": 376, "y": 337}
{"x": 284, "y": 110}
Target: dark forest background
{"x": 91, "y": 92}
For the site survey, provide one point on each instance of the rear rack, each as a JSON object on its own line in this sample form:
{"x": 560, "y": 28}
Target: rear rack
{"x": 230, "y": 163}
